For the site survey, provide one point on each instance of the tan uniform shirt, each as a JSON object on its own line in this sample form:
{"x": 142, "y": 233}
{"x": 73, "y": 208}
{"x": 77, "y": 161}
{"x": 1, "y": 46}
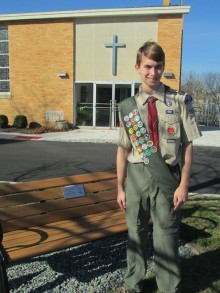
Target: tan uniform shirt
{"x": 176, "y": 124}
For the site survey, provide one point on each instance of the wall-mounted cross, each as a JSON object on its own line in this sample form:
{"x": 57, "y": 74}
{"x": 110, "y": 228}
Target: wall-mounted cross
{"x": 114, "y": 45}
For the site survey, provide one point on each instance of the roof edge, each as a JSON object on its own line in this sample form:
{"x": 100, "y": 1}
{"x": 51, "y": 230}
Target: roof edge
{"x": 156, "y": 10}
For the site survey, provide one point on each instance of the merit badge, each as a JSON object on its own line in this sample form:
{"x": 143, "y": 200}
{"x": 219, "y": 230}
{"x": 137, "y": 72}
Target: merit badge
{"x": 188, "y": 99}
{"x": 139, "y": 149}
{"x": 138, "y": 133}
{"x": 133, "y": 137}
{"x": 146, "y": 137}
{"x": 150, "y": 143}
{"x": 168, "y": 103}
{"x": 146, "y": 161}
{"x": 143, "y": 130}
{"x": 136, "y": 143}
{"x": 135, "y": 127}
{"x": 141, "y": 140}
{"x": 126, "y": 118}
{"x": 142, "y": 155}
{"x": 131, "y": 130}
{"x": 148, "y": 152}
{"x": 140, "y": 124}
{"x": 128, "y": 124}
{"x": 153, "y": 149}
{"x": 169, "y": 111}
{"x": 144, "y": 146}
{"x": 133, "y": 122}
{"x": 137, "y": 118}
{"x": 171, "y": 130}
{"x": 135, "y": 112}
{"x": 130, "y": 115}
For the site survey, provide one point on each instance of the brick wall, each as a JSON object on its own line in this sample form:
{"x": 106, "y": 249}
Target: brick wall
{"x": 39, "y": 51}
{"x": 170, "y": 38}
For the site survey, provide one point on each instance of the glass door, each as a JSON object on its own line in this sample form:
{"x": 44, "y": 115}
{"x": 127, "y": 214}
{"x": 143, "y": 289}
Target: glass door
{"x": 97, "y": 103}
{"x": 103, "y": 104}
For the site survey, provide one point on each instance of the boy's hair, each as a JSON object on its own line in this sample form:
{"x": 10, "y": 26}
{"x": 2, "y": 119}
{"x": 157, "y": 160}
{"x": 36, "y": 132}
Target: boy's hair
{"x": 151, "y": 50}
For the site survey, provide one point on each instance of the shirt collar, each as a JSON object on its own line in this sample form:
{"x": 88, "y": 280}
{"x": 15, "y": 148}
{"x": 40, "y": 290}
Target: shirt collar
{"x": 158, "y": 94}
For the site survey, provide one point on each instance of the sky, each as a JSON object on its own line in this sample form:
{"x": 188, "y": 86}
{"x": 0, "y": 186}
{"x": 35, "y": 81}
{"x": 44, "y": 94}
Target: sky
{"x": 201, "y": 32}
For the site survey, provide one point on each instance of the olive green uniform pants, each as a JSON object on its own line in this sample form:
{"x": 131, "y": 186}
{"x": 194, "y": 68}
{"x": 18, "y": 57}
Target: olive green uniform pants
{"x": 145, "y": 200}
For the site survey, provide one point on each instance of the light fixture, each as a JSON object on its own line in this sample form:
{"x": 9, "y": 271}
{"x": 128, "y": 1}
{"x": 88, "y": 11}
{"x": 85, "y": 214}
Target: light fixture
{"x": 63, "y": 74}
{"x": 168, "y": 74}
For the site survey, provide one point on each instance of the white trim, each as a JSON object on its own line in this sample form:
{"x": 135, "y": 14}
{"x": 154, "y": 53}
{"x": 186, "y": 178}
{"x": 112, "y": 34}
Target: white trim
{"x": 94, "y": 105}
{"x": 5, "y": 95}
{"x": 156, "y": 10}
{"x": 108, "y": 82}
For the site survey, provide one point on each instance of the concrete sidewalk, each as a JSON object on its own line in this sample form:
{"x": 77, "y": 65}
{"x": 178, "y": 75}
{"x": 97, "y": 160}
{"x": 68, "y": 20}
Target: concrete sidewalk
{"x": 210, "y": 136}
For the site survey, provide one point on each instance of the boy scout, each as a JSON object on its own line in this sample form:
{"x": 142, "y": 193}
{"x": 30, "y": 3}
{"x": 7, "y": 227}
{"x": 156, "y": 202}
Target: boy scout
{"x": 157, "y": 170}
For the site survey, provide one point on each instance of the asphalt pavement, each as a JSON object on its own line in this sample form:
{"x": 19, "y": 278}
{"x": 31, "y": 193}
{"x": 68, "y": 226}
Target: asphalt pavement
{"x": 205, "y": 174}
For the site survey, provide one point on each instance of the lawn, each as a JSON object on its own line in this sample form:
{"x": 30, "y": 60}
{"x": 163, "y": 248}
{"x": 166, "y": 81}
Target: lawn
{"x": 200, "y": 228}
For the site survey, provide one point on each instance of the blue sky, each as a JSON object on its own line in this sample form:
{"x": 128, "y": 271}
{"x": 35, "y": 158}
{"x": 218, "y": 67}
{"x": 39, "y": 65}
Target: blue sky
{"x": 201, "y": 36}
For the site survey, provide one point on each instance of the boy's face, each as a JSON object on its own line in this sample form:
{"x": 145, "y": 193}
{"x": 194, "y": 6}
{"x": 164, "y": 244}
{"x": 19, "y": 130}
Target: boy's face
{"x": 150, "y": 72}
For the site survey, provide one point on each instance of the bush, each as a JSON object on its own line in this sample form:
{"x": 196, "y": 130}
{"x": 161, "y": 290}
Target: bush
{"x": 34, "y": 125}
{"x": 3, "y": 121}
{"x": 20, "y": 121}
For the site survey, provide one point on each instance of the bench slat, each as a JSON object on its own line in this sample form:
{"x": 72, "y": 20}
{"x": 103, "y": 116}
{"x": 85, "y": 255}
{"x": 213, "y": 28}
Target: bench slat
{"x": 43, "y": 234}
{"x": 70, "y": 213}
{"x": 101, "y": 228}
{"x": 22, "y": 211}
{"x": 56, "y": 182}
{"x": 51, "y": 193}
{"x": 65, "y": 225}
{"x": 65, "y": 243}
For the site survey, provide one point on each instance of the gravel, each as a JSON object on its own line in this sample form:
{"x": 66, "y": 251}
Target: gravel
{"x": 95, "y": 267}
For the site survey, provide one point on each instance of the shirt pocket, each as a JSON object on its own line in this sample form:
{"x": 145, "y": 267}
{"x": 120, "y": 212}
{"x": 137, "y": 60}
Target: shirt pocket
{"x": 169, "y": 126}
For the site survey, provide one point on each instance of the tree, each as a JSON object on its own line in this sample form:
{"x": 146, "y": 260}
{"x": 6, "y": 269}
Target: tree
{"x": 205, "y": 90}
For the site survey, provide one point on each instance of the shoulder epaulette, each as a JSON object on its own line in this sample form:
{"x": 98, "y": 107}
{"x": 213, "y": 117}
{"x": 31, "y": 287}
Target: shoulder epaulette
{"x": 173, "y": 91}
{"x": 182, "y": 93}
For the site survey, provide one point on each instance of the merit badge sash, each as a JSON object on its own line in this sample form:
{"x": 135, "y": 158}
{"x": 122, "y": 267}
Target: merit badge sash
{"x": 145, "y": 147}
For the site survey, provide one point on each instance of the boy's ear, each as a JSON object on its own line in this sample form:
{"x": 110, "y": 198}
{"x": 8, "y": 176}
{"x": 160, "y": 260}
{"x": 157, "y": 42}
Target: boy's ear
{"x": 137, "y": 67}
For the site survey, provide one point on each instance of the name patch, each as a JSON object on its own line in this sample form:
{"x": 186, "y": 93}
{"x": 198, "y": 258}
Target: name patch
{"x": 169, "y": 111}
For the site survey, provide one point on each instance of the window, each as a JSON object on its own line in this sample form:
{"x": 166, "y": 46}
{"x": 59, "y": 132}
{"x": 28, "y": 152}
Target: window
{"x": 4, "y": 61}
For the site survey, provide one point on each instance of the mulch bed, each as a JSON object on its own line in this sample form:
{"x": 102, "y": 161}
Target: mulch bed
{"x": 39, "y": 130}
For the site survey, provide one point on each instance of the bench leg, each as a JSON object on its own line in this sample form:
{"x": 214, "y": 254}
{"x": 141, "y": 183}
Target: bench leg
{"x": 4, "y": 287}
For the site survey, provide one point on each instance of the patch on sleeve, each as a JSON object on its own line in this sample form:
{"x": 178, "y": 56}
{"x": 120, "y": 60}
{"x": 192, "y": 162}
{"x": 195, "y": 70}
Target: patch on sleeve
{"x": 188, "y": 99}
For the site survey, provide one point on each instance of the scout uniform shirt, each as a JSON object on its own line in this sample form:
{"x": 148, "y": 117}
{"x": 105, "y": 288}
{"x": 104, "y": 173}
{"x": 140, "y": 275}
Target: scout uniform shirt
{"x": 176, "y": 123}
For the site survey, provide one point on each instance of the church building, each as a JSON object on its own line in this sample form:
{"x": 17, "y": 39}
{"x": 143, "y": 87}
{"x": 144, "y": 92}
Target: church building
{"x": 78, "y": 65}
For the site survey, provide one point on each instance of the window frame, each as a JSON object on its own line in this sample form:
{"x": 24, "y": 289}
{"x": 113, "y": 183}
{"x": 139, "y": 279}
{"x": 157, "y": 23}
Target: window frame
{"x": 2, "y": 40}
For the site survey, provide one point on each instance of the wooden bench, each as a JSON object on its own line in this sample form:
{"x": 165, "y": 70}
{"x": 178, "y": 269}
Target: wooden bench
{"x": 37, "y": 219}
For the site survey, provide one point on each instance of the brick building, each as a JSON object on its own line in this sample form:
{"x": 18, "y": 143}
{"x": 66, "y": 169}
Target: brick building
{"x": 52, "y": 64}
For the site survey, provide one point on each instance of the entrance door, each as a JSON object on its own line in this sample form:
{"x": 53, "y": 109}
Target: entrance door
{"x": 97, "y": 103}
{"x": 103, "y": 104}
{"x": 107, "y": 99}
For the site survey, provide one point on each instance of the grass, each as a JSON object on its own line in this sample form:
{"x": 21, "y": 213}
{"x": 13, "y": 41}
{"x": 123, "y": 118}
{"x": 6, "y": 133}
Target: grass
{"x": 200, "y": 228}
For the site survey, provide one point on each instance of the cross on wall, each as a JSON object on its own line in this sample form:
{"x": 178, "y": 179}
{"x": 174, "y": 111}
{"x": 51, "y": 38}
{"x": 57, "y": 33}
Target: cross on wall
{"x": 114, "y": 45}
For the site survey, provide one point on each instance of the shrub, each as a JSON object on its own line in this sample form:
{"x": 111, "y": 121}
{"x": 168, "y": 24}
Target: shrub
{"x": 3, "y": 121}
{"x": 20, "y": 121}
{"x": 34, "y": 125}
